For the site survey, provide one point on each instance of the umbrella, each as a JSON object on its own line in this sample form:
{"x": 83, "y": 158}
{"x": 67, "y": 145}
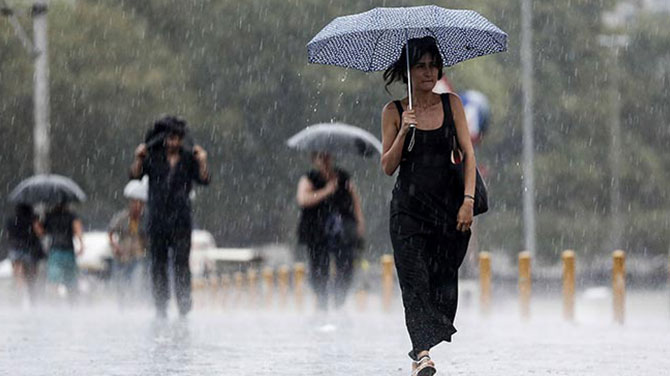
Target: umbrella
{"x": 336, "y": 138}
{"x": 137, "y": 190}
{"x": 49, "y": 189}
{"x": 373, "y": 40}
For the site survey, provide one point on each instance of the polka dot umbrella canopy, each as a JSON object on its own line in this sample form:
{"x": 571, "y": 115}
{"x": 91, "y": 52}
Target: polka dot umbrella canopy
{"x": 373, "y": 40}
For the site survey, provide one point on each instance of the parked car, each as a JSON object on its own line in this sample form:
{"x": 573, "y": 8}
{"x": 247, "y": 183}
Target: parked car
{"x": 206, "y": 257}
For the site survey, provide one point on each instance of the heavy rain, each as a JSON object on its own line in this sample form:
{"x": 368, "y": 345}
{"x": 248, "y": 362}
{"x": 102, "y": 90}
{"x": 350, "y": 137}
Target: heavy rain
{"x": 267, "y": 235}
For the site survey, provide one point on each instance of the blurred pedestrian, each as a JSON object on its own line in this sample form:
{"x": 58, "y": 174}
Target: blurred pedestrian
{"x": 62, "y": 225}
{"x": 430, "y": 217}
{"x": 23, "y": 232}
{"x": 172, "y": 168}
{"x": 127, "y": 237}
{"x": 331, "y": 224}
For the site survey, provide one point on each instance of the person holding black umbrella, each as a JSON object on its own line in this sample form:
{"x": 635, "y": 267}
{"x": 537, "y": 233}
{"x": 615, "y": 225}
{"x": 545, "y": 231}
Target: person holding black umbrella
{"x": 172, "y": 166}
{"x": 23, "y": 231}
{"x": 331, "y": 225}
{"x": 431, "y": 213}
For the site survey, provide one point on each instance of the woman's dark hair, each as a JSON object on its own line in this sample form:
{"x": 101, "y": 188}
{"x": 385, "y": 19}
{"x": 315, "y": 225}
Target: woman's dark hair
{"x": 172, "y": 125}
{"x": 417, "y": 48}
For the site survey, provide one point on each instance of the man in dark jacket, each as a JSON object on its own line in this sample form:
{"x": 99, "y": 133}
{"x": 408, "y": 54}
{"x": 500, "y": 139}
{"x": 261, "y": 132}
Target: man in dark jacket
{"x": 171, "y": 168}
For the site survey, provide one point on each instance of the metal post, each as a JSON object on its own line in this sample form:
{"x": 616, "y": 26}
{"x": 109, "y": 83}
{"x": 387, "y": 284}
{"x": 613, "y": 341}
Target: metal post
{"x": 252, "y": 280}
{"x": 298, "y": 284}
{"x": 283, "y": 276}
{"x": 38, "y": 50}
{"x": 225, "y": 289}
{"x": 485, "y": 282}
{"x": 619, "y": 285}
{"x": 362, "y": 293}
{"x": 528, "y": 144}
{"x": 614, "y": 152}
{"x": 238, "y": 279}
{"x": 569, "y": 285}
{"x": 387, "y": 281}
{"x": 269, "y": 283}
{"x": 524, "y": 284}
{"x": 42, "y": 128}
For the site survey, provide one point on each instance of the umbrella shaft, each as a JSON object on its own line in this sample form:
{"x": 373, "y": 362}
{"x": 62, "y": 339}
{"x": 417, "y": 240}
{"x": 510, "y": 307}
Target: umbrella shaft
{"x": 409, "y": 78}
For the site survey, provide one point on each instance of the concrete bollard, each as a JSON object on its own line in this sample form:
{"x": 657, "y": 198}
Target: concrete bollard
{"x": 268, "y": 285}
{"x": 387, "y": 281}
{"x": 619, "y": 285}
{"x": 524, "y": 284}
{"x": 568, "y": 257}
{"x": 298, "y": 284}
{"x": 283, "y": 284}
{"x": 485, "y": 282}
{"x": 252, "y": 287}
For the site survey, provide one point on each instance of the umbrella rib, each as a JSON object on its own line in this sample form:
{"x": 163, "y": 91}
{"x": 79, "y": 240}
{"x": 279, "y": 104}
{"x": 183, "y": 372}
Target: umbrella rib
{"x": 381, "y": 33}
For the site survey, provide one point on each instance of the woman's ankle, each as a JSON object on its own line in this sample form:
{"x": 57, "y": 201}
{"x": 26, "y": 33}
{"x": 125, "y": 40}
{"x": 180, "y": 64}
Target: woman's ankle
{"x": 422, "y": 354}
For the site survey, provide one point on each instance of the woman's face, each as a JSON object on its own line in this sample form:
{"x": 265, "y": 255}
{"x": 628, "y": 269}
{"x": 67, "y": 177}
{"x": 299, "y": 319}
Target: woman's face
{"x": 424, "y": 73}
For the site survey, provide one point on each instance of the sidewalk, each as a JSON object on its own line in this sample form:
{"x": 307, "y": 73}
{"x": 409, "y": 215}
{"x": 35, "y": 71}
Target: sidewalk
{"x": 100, "y": 340}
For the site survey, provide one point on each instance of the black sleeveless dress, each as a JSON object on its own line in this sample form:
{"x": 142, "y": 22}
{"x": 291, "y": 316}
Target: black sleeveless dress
{"x": 428, "y": 250}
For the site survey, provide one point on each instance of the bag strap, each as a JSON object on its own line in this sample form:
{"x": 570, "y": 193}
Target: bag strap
{"x": 448, "y": 114}
{"x": 398, "y": 106}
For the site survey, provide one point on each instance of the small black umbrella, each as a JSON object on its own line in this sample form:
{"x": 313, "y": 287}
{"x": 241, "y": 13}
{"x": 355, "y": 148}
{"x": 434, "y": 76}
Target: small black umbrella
{"x": 336, "y": 138}
{"x": 50, "y": 189}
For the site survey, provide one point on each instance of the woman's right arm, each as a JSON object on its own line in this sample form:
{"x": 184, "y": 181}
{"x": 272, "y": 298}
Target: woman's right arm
{"x": 307, "y": 196}
{"x": 393, "y": 136}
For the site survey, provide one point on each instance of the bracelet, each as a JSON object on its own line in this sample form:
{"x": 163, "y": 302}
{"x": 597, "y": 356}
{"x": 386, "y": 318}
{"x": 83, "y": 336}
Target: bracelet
{"x": 469, "y": 196}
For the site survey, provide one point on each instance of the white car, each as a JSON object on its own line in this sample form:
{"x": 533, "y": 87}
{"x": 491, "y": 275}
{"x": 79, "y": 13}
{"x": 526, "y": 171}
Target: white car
{"x": 97, "y": 255}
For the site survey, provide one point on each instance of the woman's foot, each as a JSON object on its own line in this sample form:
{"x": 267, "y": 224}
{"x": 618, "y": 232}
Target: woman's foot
{"x": 423, "y": 367}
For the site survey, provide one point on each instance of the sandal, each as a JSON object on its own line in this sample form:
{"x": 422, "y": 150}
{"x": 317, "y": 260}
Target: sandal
{"x": 423, "y": 367}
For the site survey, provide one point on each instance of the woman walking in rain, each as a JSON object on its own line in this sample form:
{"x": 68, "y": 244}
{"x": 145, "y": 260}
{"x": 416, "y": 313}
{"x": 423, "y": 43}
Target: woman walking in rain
{"x": 331, "y": 224}
{"x": 62, "y": 225}
{"x": 431, "y": 214}
{"x": 25, "y": 250}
